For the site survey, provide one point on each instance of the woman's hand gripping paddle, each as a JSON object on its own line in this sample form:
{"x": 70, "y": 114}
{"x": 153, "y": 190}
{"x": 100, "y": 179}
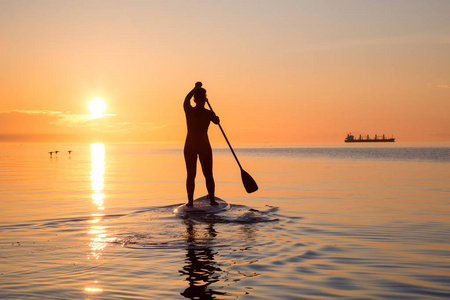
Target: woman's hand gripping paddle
{"x": 249, "y": 184}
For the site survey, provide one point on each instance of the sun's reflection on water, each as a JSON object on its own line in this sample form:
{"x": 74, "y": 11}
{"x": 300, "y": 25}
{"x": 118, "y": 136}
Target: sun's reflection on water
{"x": 92, "y": 290}
{"x": 97, "y": 173}
{"x": 99, "y": 236}
{"x": 98, "y": 230}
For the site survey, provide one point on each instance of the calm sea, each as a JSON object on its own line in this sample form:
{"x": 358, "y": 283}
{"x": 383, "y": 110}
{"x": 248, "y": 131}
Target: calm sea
{"x": 347, "y": 222}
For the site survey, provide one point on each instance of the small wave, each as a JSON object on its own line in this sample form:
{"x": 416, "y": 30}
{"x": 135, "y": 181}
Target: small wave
{"x": 157, "y": 227}
{"x": 238, "y": 214}
{"x": 60, "y": 222}
{"x": 248, "y": 215}
{"x": 162, "y": 230}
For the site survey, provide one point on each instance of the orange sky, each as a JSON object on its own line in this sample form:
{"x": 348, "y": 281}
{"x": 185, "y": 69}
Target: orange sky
{"x": 277, "y": 72}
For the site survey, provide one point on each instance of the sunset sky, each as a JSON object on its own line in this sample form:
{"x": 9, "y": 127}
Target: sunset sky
{"x": 276, "y": 72}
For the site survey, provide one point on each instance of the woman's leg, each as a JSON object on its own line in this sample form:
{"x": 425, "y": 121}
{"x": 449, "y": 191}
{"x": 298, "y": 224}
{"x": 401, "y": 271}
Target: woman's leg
{"x": 190, "y": 158}
{"x": 207, "y": 168}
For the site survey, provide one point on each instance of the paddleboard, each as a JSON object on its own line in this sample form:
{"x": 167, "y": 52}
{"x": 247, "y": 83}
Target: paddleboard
{"x": 202, "y": 206}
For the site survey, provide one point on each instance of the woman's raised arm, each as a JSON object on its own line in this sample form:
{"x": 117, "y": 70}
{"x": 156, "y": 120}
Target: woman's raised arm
{"x": 187, "y": 100}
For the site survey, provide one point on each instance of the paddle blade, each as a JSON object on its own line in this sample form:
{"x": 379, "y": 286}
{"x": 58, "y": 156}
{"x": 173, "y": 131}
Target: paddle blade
{"x": 249, "y": 184}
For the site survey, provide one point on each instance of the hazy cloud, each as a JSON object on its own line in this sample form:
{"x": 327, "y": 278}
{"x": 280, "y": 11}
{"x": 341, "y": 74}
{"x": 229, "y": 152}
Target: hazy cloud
{"x": 440, "y": 86}
{"x": 31, "y": 112}
{"x": 54, "y": 122}
{"x": 60, "y": 118}
{"x": 77, "y": 120}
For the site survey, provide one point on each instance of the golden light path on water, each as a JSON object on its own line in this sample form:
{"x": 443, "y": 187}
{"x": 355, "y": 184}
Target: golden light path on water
{"x": 97, "y": 228}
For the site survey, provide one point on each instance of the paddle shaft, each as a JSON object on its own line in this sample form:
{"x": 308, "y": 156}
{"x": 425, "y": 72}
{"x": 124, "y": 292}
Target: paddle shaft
{"x": 226, "y": 139}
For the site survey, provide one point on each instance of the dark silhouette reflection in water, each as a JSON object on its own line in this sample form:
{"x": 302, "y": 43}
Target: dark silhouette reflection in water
{"x": 201, "y": 268}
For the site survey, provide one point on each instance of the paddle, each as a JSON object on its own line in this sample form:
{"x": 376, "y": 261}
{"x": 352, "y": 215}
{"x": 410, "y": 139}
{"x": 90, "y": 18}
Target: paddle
{"x": 249, "y": 184}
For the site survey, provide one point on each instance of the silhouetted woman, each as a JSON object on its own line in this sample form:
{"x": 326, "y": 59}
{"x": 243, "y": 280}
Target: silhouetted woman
{"x": 197, "y": 142}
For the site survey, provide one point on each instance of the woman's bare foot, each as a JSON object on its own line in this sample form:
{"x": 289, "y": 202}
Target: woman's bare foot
{"x": 212, "y": 202}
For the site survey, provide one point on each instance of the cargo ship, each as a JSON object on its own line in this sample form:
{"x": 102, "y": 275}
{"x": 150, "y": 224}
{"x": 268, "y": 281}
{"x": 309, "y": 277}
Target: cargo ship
{"x": 351, "y": 139}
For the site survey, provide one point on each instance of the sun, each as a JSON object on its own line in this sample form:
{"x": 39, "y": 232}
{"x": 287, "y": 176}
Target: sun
{"x": 97, "y": 107}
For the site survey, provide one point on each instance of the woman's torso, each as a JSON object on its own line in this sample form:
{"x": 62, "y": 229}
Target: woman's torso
{"x": 198, "y": 120}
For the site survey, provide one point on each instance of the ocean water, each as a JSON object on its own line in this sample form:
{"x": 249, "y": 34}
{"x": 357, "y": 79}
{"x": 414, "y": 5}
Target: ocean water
{"x": 343, "y": 222}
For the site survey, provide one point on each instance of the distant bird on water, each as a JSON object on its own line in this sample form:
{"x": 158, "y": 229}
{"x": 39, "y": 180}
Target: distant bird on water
{"x": 56, "y": 153}
{"x": 51, "y": 154}
{"x": 70, "y": 152}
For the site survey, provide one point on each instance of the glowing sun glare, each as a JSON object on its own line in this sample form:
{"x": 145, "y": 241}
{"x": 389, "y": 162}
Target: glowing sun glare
{"x": 97, "y": 107}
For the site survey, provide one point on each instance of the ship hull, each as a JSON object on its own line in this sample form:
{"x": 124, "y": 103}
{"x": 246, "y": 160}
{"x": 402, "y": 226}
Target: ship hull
{"x": 371, "y": 141}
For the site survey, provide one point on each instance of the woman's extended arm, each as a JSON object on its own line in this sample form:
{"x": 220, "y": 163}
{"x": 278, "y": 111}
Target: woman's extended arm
{"x": 187, "y": 100}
